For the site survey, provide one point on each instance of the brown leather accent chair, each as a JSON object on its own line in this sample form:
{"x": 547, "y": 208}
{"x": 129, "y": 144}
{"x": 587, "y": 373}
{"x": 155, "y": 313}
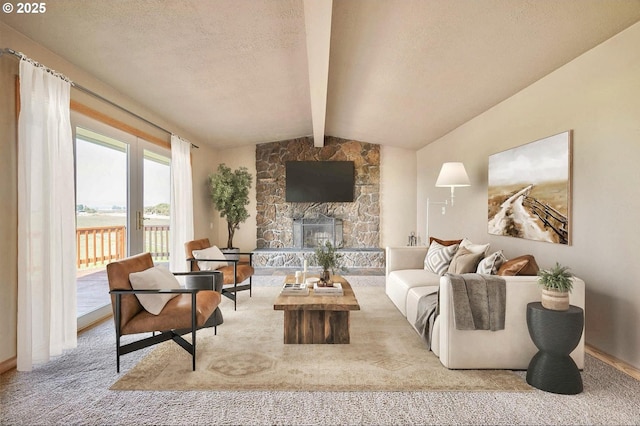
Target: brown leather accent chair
{"x": 189, "y": 311}
{"x": 235, "y": 273}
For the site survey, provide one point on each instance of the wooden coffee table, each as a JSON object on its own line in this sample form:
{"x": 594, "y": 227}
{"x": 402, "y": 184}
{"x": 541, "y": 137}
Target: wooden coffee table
{"x": 317, "y": 318}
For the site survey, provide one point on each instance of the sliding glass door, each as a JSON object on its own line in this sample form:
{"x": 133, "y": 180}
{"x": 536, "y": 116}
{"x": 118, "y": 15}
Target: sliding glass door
{"x": 156, "y": 198}
{"x": 122, "y": 207}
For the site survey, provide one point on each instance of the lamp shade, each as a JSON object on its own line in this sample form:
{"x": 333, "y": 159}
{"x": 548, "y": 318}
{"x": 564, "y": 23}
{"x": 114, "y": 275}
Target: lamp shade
{"x": 453, "y": 175}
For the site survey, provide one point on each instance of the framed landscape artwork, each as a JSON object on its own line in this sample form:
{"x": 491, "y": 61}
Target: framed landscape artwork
{"x": 530, "y": 191}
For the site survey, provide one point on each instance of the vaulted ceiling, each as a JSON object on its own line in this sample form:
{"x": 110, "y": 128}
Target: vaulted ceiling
{"x": 395, "y": 72}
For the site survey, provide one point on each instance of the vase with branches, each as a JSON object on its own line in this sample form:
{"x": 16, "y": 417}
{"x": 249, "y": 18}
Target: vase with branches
{"x": 329, "y": 258}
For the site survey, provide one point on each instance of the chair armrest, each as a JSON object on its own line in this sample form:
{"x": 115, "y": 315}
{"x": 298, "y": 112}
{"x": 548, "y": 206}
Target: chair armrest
{"x": 181, "y": 274}
{"x": 216, "y": 276}
{"x": 156, "y": 291}
{"x": 193, "y": 259}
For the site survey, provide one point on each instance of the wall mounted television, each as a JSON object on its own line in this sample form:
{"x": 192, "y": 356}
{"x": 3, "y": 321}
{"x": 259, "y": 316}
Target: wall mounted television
{"x": 319, "y": 181}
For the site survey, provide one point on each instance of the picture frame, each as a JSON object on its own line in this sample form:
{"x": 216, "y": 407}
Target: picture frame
{"x": 529, "y": 190}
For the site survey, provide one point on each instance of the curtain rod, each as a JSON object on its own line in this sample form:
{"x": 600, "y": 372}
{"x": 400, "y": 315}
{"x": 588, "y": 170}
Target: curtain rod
{"x": 100, "y": 97}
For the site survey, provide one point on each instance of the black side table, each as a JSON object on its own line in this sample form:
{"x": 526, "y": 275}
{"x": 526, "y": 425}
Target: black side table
{"x": 555, "y": 334}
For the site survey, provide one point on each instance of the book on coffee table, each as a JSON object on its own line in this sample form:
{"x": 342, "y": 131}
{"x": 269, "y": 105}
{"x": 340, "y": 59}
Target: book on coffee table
{"x": 335, "y": 290}
{"x": 293, "y": 289}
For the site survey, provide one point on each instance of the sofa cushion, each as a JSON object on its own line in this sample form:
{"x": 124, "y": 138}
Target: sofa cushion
{"x": 464, "y": 261}
{"x": 439, "y": 257}
{"x": 156, "y": 278}
{"x": 474, "y": 248}
{"x": 490, "y": 264}
{"x": 413, "y": 299}
{"x": 444, "y": 242}
{"x": 401, "y": 281}
{"x": 212, "y": 252}
{"x": 521, "y": 265}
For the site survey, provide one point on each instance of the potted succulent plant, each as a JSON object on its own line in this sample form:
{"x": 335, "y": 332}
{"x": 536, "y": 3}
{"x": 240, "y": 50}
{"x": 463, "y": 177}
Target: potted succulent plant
{"x": 328, "y": 257}
{"x": 230, "y": 195}
{"x": 556, "y": 285}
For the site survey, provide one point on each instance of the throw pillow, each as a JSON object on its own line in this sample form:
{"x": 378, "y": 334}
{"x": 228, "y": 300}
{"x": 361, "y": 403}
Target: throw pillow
{"x": 521, "y": 265}
{"x": 490, "y": 264}
{"x": 439, "y": 257}
{"x": 475, "y": 248}
{"x": 156, "y": 278}
{"x": 444, "y": 242}
{"x": 213, "y": 253}
{"x": 464, "y": 261}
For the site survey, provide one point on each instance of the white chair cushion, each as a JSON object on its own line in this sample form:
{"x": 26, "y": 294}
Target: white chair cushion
{"x": 212, "y": 252}
{"x": 156, "y": 278}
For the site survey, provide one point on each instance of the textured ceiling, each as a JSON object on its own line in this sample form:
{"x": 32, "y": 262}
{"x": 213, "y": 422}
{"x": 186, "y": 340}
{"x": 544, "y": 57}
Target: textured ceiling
{"x": 401, "y": 72}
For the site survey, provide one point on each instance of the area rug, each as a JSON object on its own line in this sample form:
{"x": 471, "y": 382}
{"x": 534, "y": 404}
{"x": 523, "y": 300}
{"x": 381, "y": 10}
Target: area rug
{"x": 248, "y": 353}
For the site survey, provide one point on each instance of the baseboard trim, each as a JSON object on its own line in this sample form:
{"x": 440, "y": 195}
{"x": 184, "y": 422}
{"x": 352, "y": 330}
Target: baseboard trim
{"x": 9, "y": 364}
{"x": 626, "y": 368}
{"x": 94, "y": 324}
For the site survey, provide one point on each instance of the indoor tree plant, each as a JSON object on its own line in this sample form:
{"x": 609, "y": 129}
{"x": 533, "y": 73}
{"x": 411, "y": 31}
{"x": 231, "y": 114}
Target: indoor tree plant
{"x": 328, "y": 257}
{"x": 556, "y": 284}
{"x": 229, "y": 191}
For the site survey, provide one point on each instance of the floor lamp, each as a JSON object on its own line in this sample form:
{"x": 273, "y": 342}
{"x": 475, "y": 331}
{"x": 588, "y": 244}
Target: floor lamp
{"x": 451, "y": 175}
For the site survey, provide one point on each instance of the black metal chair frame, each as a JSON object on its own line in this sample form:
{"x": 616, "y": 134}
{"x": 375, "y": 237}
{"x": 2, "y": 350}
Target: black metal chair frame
{"x": 230, "y": 292}
{"x": 175, "y": 334}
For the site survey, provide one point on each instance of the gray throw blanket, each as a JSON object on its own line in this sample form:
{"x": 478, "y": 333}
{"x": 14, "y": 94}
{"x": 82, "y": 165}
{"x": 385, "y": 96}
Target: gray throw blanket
{"x": 478, "y": 301}
{"x": 427, "y": 313}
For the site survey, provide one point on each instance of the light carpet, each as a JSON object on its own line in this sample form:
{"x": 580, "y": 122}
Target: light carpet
{"x": 248, "y": 354}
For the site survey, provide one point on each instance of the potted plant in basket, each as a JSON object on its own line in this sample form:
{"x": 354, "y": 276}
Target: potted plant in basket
{"x": 230, "y": 195}
{"x": 328, "y": 257}
{"x": 556, "y": 285}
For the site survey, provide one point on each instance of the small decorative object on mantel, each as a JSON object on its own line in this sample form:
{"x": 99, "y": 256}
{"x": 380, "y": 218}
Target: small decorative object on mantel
{"x": 328, "y": 257}
{"x": 556, "y": 284}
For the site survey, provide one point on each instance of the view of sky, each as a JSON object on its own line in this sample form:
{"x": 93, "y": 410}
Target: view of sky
{"x": 535, "y": 162}
{"x": 102, "y": 178}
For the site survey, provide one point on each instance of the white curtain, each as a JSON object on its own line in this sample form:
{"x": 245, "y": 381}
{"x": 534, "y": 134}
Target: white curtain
{"x": 181, "y": 223}
{"x": 47, "y": 322}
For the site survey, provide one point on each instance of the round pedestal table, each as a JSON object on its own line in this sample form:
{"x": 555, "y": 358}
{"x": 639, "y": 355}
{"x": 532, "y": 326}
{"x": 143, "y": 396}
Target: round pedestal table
{"x": 555, "y": 334}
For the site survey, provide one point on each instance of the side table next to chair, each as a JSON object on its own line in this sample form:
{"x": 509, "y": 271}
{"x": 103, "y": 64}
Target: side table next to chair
{"x": 555, "y": 334}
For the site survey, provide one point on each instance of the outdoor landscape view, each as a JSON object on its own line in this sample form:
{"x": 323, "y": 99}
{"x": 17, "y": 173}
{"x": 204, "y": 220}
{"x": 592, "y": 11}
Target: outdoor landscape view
{"x": 102, "y": 190}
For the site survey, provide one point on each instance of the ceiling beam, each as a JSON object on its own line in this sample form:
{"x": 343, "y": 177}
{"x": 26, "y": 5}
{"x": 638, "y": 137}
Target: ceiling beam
{"x": 317, "y": 19}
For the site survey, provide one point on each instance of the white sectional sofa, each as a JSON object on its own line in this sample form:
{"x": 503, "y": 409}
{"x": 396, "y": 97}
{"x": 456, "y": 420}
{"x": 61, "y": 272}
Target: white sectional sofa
{"x": 511, "y": 348}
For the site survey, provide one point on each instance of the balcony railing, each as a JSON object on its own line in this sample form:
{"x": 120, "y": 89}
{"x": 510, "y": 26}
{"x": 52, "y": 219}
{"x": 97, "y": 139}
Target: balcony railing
{"x": 102, "y": 244}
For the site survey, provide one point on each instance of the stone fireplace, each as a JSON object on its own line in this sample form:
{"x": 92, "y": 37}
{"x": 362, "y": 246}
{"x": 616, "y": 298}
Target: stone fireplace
{"x": 309, "y": 233}
{"x": 288, "y": 232}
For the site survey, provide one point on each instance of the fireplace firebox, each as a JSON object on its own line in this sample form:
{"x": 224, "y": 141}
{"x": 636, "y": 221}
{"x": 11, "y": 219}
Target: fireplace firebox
{"x": 314, "y": 232}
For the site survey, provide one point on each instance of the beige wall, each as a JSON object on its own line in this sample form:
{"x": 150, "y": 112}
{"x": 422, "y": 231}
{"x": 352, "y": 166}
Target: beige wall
{"x": 597, "y": 96}
{"x": 397, "y": 195}
{"x": 245, "y": 237}
{"x": 8, "y": 161}
{"x": 204, "y": 160}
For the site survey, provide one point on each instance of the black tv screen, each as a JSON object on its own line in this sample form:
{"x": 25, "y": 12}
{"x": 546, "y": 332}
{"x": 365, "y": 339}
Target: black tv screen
{"x": 319, "y": 181}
